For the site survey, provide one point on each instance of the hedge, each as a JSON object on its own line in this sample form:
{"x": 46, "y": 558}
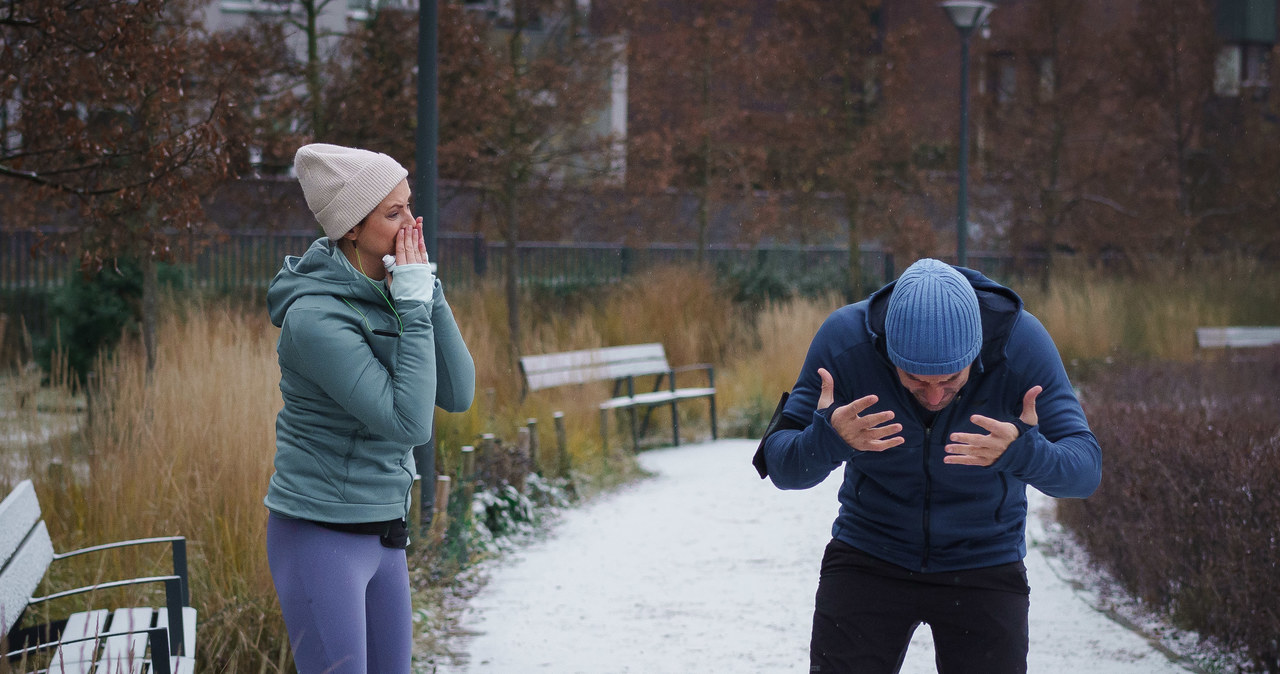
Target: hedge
{"x": 1188, "y": 513}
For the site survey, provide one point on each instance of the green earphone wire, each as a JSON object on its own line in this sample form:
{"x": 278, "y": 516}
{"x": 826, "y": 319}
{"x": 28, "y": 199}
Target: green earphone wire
{"x": 360, "y": 264}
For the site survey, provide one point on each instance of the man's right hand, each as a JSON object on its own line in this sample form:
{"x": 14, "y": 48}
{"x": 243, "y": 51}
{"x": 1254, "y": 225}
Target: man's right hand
{"x": 864, "y": 433}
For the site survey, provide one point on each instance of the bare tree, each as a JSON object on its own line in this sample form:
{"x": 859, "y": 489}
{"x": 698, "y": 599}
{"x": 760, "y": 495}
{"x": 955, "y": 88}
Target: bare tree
{"x": 116, "y": 118}
{"x": 1046, "y": 115}
{"x": 696, "y": 91}
{"x": 845, "y": 127}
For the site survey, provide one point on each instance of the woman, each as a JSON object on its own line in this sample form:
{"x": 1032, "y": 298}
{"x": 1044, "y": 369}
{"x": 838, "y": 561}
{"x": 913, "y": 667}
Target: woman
{"x": 365, "y": 355}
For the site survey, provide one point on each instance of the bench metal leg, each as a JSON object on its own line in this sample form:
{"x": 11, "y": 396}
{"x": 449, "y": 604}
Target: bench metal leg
{"x": 604, "y": 434}
{"x": 635, "y": 430}
{"x": 675, "y": 425}
{"x": 713, "y": 417}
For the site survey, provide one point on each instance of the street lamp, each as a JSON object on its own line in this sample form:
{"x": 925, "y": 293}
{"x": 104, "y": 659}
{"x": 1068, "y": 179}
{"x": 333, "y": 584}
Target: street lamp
{"x": 967, "y": 15}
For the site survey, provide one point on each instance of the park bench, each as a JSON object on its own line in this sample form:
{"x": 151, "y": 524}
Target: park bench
{"x": 133, "y": 640}
{"x": 1236, "y": 337}
{"x": 623, "y": 365}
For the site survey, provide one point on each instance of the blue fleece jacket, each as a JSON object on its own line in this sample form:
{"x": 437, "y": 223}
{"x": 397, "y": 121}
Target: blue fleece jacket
{"x": 904, "y": 505}
{"x": 360, "y": 383}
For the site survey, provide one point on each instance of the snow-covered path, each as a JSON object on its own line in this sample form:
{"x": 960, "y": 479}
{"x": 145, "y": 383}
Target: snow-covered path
{"x": 707, "y": 568}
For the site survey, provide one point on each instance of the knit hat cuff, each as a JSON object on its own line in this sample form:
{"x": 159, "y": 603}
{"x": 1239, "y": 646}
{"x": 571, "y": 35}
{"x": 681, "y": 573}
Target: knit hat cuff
{"x": 929, "y": 369}
{"x": 360, "y": 195}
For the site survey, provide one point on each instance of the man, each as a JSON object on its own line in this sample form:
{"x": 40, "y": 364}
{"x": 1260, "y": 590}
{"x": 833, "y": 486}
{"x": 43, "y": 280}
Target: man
{"x": 943, "y": 399}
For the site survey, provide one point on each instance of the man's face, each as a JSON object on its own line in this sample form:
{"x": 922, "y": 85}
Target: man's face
{"x": 934, "y": 392}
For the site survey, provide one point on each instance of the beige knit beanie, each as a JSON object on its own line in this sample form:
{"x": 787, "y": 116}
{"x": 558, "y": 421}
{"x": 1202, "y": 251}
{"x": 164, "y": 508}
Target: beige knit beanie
{"x": 343, "y": 185}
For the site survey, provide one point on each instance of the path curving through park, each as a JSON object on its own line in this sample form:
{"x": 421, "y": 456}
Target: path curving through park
{"x": 706, "y": 568}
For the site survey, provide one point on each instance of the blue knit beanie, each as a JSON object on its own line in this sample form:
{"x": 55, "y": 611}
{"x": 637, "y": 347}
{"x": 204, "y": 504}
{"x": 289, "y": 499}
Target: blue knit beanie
{"x": 933, "y": 325}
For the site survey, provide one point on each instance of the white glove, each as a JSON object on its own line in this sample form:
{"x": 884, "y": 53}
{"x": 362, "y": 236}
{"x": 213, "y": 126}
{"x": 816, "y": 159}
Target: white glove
{"x": 389, "y": 261}
{"x": 411, "y": 282}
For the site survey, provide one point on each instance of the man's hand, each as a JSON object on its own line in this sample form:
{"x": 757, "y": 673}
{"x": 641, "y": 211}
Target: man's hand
{"x": 978, "y": 449}
{"x": 863, "y": 433}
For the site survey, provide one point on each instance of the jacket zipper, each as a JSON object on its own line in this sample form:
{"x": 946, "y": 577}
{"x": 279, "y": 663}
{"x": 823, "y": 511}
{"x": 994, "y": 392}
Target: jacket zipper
{"x": 928, "y": 496}
{"x": 928, "y": 476}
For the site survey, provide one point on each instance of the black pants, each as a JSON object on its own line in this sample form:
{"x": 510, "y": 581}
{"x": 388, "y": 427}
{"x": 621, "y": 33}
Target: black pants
{"x": 867, "y": 609}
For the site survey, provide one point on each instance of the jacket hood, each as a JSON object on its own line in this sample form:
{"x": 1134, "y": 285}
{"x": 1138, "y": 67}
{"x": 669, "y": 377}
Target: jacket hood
{"x": 999, "y": 305}
{"x": 317, "y": 272}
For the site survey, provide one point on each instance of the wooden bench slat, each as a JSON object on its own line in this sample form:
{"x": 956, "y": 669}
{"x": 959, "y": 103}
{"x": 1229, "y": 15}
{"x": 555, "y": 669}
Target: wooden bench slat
{"x": 78, "y": 658}
{"x": 656, "y": 397}
{"x": 1238, "y": 336}
{"x": 588, "y": 365}
{"x": 584, "y": 357}
{"x": 19, "y": 511}
{"x": 187, "y": 661}
{"x": 22, "y": 575}
{"x": 125, "y": 650}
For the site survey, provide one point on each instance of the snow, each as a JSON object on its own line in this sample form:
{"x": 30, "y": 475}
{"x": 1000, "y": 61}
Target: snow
{"x": 705, "y": 567}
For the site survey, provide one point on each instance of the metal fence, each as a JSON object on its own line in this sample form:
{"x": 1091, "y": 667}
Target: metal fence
{"x": 243, "y": 262}
{"x": 248, "y": 259}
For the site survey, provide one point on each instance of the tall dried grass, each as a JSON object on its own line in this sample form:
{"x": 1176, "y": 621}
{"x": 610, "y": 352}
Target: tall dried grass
{"x": 187, "y": 450}
{"x": 1153, "y": 310}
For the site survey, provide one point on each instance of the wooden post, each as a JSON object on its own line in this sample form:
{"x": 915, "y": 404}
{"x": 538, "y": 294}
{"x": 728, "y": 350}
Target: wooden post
{"x": 468, "y": 479}
{"x": 562, "y": 446}
{"x": 491, "y": 406}
{"x": 440, "y": 518}
{"x": 89, "y": 386}
{"x": 522, "y": 452}
{"x": 488, "y": 458}
{"x": 535, "y": 464}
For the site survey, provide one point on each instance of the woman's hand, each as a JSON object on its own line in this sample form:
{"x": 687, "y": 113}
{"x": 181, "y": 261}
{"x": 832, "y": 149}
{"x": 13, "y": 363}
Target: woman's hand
{"x": 411, "y": 245}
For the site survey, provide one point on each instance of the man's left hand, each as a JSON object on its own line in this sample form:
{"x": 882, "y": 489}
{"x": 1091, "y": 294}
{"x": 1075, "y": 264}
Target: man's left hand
{"x": 984, "y": 449}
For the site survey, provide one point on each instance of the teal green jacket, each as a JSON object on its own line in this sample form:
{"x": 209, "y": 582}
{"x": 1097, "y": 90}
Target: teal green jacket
{"x": 360, "y": 386}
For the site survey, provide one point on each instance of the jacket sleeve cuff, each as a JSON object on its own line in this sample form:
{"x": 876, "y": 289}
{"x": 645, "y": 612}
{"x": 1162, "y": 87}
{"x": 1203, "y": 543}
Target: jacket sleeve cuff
{"x": 826, "y": 441}
{"x": 1020, "y": 450}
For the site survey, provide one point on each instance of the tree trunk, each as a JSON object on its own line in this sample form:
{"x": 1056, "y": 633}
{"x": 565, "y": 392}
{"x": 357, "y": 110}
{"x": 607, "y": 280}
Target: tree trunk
{"x": 513, "y": 272}
{"x": 855, "y": 289}
{"x": 314, "y": 82}
{"x": 150, "y": 309}
{"x": 704, "y": 182}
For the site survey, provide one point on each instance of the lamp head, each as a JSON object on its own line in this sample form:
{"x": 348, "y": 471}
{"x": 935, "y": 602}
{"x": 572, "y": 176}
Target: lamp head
{"x": 968, "y": 15}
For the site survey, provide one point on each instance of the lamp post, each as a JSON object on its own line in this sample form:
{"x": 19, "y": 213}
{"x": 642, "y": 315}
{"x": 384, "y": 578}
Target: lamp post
{"x": 426, "y": 178}
{"x": 967, "y": 15}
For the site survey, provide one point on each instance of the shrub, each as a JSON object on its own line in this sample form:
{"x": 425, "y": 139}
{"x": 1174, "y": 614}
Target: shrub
{"x": 1189, "y": 506}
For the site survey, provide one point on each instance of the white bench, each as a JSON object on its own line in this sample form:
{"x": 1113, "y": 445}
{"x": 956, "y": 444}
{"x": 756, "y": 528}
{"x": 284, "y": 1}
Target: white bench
{"x": 133, "y": 640}
{"x": 623, "y": 365}
{"x": 1237, "y": 337}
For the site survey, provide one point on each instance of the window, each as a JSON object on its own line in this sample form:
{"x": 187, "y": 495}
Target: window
{"x": 1048, "y": 80}
{"x": 1226, "y": 77}
{"x": 275, "y": 7}
{"x": 272, "y": 6}
{"x": 1255, "y": 66}
{"x": 1005, "y": 77}
{"x": 1248, "y": 31}
{"x": 361, "y": 10}
{"x": 1242, "y": 66}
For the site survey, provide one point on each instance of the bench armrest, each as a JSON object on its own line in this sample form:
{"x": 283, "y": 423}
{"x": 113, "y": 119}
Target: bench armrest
{"x": 178, "y": 546}
{"x": 173, "y": 602}
{"x": 710, "y": 369}
{"x": 160, "y": 663}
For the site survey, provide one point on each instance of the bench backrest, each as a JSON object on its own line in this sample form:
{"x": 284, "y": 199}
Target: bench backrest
{"x": 587, "y": 365}
{"x": 25, "y": 552}
{"x": 1238, "y": 336}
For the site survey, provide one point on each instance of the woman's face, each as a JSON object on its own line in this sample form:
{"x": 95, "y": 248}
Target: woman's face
{"x": 375, "y": 236}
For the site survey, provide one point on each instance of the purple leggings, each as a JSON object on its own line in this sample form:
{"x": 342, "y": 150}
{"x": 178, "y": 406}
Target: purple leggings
{"x": 345, "y": 598}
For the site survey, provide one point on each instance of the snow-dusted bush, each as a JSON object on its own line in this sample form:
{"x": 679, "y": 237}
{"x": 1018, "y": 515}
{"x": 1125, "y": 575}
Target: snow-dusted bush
{"x": 502, "y": 514}
{"x": 1189, "y": 507}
